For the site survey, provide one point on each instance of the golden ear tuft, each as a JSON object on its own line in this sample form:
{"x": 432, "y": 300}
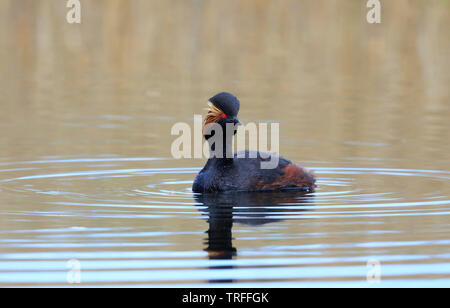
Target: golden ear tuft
{"x": 213, "y": 116}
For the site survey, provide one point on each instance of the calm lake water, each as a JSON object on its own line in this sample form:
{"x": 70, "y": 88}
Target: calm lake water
{"x": 87, "y": 179}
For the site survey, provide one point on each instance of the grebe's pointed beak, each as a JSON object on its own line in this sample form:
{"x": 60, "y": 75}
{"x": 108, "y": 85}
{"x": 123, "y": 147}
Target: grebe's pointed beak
{"x": 236, "y": 121}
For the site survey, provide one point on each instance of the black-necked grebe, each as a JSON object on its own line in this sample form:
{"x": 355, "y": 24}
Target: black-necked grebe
{"x": 242, "y": 171}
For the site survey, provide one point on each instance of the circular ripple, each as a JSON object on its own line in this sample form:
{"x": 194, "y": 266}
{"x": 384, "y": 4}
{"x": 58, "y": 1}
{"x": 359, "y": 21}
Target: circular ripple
{"x": 117, "y": 214}
{"x": 148, "y": 182}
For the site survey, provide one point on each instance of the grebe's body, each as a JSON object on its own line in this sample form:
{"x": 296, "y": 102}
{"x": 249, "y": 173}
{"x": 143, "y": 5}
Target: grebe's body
{"x": 242, "y": 171}
{"x": 246, "y": 174}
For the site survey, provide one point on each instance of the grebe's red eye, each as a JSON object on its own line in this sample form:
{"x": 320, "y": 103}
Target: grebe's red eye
{"x": 224, "y": 115}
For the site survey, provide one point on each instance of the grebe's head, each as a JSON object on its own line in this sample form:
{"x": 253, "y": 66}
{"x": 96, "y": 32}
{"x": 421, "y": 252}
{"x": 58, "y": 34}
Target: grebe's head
{"x": 223, "y": 109}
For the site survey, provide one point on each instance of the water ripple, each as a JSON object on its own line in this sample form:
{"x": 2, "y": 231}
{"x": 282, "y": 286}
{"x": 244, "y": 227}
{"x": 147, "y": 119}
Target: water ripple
{"x": 136, "y": 221}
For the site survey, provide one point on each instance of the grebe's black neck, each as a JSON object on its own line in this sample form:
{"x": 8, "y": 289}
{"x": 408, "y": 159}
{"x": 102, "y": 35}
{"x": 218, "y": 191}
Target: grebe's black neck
{"x": 221, "y": 141}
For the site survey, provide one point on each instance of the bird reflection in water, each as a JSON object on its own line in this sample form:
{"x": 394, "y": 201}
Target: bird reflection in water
{"x": 255, "y": 209}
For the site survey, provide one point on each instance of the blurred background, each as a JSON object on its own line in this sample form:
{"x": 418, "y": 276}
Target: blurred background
{"x": 118, "y": 81}
{"x": 86, "y": 111}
